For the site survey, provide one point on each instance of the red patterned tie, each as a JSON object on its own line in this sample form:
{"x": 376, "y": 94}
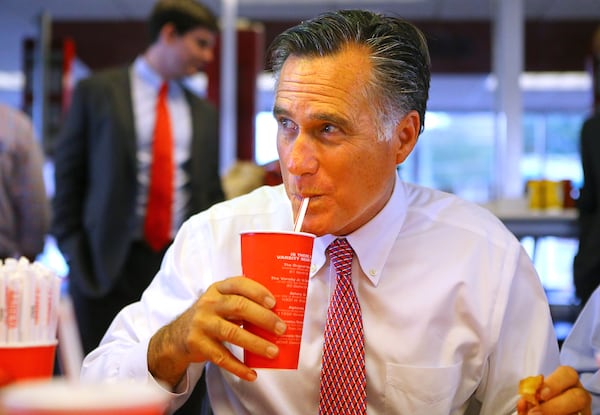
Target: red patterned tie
{"x": 157, "y": 225}
{"x": 343, "y": 374}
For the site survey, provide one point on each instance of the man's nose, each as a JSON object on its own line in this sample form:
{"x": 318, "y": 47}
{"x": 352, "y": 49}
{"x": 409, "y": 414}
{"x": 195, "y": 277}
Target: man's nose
{"x": 302, "y": 156}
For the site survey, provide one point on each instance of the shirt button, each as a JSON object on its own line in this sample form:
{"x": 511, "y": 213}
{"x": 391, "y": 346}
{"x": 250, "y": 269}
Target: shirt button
{"x": 372, "y": 272}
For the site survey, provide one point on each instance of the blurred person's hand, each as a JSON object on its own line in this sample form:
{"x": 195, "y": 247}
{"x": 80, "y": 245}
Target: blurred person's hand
{"x": 560, "y": 394}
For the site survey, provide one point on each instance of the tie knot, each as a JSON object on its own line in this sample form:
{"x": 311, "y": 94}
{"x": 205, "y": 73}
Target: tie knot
{"x": 163, "y": 90}
{"x": 340, "y": 245}
{"x": 341, "y": 254}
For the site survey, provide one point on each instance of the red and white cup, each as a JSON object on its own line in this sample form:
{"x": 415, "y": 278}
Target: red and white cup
{"x": 27, "y": 361}
{"x": 281, "y": 262}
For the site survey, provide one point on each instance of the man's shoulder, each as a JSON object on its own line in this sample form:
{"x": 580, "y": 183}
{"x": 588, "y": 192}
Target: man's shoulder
{"x": 105, "y": 77}
{"x": 198, "y": 101}
{"x": 264, "y": 208}
{"x": 450, "y": 210}
{"x": 264, "y": 203}
{"x": 422, "y": 197}
{"x": 262, "y": 199}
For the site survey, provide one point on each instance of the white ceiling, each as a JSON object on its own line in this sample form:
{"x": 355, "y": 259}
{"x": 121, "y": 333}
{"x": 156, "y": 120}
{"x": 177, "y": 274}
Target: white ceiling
{"x": 298, "y": 9}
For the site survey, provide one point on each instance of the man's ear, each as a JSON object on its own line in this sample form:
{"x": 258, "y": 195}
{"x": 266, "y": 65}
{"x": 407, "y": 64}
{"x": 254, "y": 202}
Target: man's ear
{"x": 407, "y": 133}
{"x": 167, "y": 33}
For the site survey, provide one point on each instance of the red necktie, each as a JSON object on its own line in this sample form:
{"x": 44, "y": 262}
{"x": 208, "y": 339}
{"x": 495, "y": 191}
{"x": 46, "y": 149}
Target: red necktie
{"x": 343, "y": 374}
{"x": 157, "y": 225}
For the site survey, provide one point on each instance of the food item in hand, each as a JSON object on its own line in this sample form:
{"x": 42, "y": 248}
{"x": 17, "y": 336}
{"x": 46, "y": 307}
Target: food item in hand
{"x": 529, "y": 388}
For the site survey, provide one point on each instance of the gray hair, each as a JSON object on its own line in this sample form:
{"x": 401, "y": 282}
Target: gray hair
{"x": 399, "y": 53}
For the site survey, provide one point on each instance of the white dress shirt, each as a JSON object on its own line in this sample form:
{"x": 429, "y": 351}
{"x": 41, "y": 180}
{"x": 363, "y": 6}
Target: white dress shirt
{"x": 454, "y": 313}
{"x": 581, "y": 348}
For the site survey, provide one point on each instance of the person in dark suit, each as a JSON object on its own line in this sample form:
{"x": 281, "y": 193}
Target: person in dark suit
{"x": 586, "y": 265}
{"x": 103, "y": 160}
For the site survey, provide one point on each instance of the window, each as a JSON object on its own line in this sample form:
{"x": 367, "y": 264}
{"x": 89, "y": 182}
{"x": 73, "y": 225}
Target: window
{"x": 455, "y": 153}
{"x": 551, "y": 146}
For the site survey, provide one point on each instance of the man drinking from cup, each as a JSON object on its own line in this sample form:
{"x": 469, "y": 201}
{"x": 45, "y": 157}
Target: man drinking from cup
{"x": 418, "y": 302}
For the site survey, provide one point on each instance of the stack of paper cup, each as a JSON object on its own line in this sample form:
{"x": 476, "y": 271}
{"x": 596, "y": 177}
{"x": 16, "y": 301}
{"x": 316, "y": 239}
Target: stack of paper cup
{"x": 29, "y": 300}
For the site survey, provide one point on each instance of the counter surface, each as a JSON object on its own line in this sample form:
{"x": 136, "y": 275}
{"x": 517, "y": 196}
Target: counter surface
{"x": 522, "y": 221}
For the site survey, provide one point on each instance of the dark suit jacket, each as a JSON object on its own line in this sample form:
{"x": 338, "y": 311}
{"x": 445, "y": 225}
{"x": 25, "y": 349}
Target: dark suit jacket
{"x": 95, "y": 173}
{"x": 586, "y": 269}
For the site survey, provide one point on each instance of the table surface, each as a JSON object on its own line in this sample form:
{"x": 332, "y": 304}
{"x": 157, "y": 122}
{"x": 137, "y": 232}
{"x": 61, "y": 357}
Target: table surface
{"x": 518, "y": 209}
{"x": 522, "y": 221}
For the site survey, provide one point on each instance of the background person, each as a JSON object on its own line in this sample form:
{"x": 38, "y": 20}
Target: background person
{"x": 586, "y": 264}
{"x": 442, "y": 286}
{"x": 581, "y": 348}
{"x": 24, "y": 205}
{"x": 105, "y": 160}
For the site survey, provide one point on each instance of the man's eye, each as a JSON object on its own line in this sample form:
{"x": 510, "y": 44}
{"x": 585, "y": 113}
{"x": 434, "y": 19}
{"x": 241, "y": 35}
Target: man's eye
{"x": 287, "y": 124}
{"x": 204, "y": 43}
{"x": 329, "y": 129}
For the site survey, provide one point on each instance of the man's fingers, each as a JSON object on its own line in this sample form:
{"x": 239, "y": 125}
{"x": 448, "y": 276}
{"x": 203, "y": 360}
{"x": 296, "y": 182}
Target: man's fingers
{"x": 223, "y": 311}
{"x": 212, "y": 311}
{"x": 222, "y": 357}
{"x": 522, "y": 406}
{"x": 228, "y": 332}
{"x": 218, "y": 318}
{"x": 572, "y": 401}
{"x": 563, "y": 378}
{"x": 564, "y": 390}
{"x": 248, "y": 288}
{"x": 240, "y": 300}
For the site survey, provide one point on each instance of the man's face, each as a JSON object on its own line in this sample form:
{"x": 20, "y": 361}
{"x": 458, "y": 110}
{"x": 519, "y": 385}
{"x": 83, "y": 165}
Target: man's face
{"x": 328, "y": 145}
{"x": 191, "y": 52}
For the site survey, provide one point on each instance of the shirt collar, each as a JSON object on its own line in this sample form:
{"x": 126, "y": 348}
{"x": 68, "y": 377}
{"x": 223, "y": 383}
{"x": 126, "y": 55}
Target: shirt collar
{"x": 144, "y": 71}
{"x": 373, "y": 241}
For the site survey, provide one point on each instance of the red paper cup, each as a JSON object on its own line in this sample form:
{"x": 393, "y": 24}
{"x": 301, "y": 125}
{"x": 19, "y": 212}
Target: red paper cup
{"x": 25, "y": 361}
{"x": 281, "y": 262}
{"x": 60, "y": 397}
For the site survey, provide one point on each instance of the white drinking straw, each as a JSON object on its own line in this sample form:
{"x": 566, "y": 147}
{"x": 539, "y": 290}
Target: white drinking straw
{"x": 71, "y": 350}
{"x": 301, "y": 213}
